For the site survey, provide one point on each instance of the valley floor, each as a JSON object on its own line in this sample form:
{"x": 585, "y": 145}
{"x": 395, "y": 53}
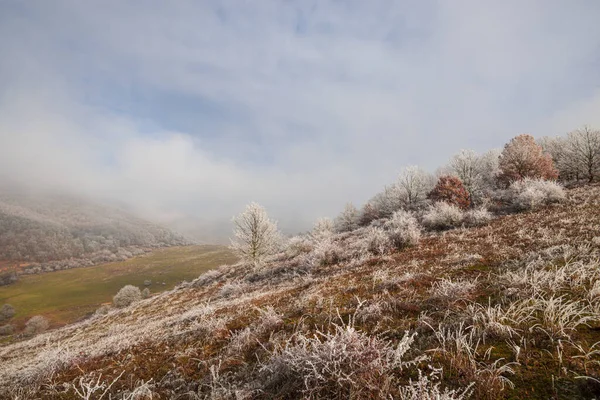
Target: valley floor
{"x": 66, "y": 296}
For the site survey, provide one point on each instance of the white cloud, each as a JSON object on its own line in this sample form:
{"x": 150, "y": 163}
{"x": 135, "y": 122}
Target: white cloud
{"x": 192, "y": 109}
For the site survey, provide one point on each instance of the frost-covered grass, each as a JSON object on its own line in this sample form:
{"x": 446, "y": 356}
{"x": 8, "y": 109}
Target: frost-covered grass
{"x": 328, "y": 320}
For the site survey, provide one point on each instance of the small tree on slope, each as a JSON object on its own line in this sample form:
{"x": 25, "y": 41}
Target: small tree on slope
{"x": 255, "y": 235}
{"x": 451, "y": 190}
{"x": 523, "y": 158}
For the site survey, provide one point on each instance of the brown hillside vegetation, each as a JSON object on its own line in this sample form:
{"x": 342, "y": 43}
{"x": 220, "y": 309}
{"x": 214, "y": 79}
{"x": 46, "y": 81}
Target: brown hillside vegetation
{"x": 506, "y": 310}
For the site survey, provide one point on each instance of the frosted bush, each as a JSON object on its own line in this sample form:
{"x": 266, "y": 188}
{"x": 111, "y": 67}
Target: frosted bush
{"x": 128, "y": 294}
{"x": 528, "y": 194}
{"x": 208, "y": 277}
{"x": 6, "y": 312}
{"x": 6, "y": 330}
{"x": 326, "y": 252}
{"x": 36, "y": 325}
{"x": 477, "y": 217}
{"x": 443, "y": 216}
{"x": 322, "y": 229}
{"x": 428, "y": 388}
{"x": 298, "y": 245}
{"x": 377, "y": 241}
{"x": 232, "y": 288}
{"x": 103, "y": 309}
{"x": 338, "y": 364}
{"x": 403, "y": 229}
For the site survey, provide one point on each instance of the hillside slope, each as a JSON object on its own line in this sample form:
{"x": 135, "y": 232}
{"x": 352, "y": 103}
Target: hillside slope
{"x": 56, "y": 232}
{"x": 507, "y": 310}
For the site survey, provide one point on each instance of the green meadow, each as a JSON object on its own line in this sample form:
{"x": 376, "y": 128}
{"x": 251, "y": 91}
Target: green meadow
{"x": 66, "y": 296}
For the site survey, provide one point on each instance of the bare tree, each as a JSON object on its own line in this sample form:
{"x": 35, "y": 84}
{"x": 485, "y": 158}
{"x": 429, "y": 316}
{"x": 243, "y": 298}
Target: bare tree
{"x": 583, "y": 150}
{"x": 413, "y": 185}
{"x": 477, "y": 172}
{"x": 386, "y": 202}
{"x": 255, "y": 235}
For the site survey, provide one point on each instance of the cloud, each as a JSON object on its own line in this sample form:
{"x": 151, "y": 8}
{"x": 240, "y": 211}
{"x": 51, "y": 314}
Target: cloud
{"x": 186, "y": 111}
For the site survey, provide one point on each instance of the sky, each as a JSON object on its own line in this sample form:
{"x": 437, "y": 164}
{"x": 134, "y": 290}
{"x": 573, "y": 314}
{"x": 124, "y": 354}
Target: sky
{"x": 185, "y": 111}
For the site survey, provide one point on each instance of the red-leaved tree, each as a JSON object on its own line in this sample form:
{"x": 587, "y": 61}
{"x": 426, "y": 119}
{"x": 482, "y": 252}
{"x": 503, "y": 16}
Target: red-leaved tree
{"x": 451, "y": 190}
{"x": 522, "y": 158}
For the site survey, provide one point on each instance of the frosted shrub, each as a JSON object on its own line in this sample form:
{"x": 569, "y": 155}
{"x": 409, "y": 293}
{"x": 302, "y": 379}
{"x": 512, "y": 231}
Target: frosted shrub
{"x": 529, "y": 193}
{"x": 443, "y": 216}
{"x": 377, "y": 242}
{"x": 103, "y": 309}
{"x": 128, "y": 294}
{"x": 6, "y": 312}
{"x": 208, "y": 277}
{"x": 36, "y": 325}
{"x": 403, "y": 229}
{"x": 298, "y": 245}
{"x": 428, "y": 388}
{"x": 232, "y": 289}
{"x": 322, "y": 229}
{"x": 326, "y": 252}
{"x": 345, "y": 363}
{"x": 477, "y": 217}
{"x": 6, "y": 330}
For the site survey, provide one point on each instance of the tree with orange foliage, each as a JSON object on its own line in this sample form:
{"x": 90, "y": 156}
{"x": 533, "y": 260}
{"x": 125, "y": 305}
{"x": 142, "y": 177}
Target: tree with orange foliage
{"x": 451, "y": 190}
{"x": 523, "y": 158}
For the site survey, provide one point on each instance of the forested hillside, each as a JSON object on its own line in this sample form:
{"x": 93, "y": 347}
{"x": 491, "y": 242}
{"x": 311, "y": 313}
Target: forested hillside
{"x": 56, "y": 232}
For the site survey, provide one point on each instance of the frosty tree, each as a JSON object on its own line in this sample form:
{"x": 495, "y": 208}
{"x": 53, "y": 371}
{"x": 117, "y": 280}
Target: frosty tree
{"x": 412, "y": 185}
{"x": 348, "y": 219}
{"x": 523, "y": 158}
{"x": 583, "y": 151}
{"x": 255, "y": 235}
{"x": 477, "y": 172}
{"x": 451, "y": 190}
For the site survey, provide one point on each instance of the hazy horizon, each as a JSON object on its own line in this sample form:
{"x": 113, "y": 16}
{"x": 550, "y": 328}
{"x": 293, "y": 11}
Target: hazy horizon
{"x": 185, "y": 112}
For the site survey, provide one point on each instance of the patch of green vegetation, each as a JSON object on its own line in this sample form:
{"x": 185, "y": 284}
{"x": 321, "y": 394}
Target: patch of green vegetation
{"x": 66, "y": 296}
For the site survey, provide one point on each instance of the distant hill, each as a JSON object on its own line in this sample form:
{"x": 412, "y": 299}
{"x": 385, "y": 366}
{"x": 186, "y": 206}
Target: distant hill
{"x": 48, "y": 232}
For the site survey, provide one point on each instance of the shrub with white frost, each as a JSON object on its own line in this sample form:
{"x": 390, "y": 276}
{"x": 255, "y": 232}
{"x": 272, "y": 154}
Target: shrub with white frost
{"x": 323, "y": 228}
{"x": 127, "y": 295}
{"x": 428, "y": 388}
{"x": 527, "y": 194}
{"x": 6, "y": 312}
{"x": 298, "y": 245}
{"x": 7, "y": 330}
{"x": 377, "y": 241}
{"x": 344, "y": 363}
{"x": 103, "y": 309}
{"x": 36, "y": 325}
{"x": 326, "y": 252}
{"x": 443, "y": 216}
{"x": 403, "y": 229}
{"x": 477, "y": 217}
